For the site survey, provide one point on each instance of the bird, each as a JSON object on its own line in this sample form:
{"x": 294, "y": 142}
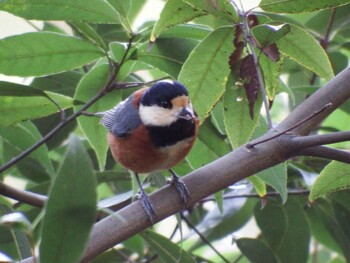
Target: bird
{"x": 153, "y": 130}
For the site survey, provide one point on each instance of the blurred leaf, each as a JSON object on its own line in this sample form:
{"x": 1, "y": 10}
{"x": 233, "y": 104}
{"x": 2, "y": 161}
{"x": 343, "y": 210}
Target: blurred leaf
{"x": 21, "y": 230}
{"x": 211, "y": 137}
{"x": 16, "y": 221}
{"x": 43, "y": 53}
{"x": 236, "y": 213}
{"x": 94, "y": 11}
{"x": 62, "y": 83}
{"x": 219, "y": 199}
{"x": 255, "y": 250}
{"x": 334, "y": 177}
{"x": 88, "y": 87}
{"x": 298, "y": 6}
{"x": 174, "y": 12}
{"x": 167, "y": 250}
{"x": 239, "y": 125}
{"x": 338, "y": 121}
{"x": 23, "y": 135}
{"x": 326, "y": 214}
{"x": 319, "y": 216}
{"x": 302, "y": 47}
{"x": 276, "y": 177}
{"x": 281, "y": 226}
{"x": 197, "y": 159}
{"x": 47, "y": 123}
{"x": 135, "y": 244}
{"x": 70, "y": 209}
{"x": 206, "y": 70}
{"x": 17, "y": 109}
{"x": 167, "y": 54}
{"x": 259, "y": 185}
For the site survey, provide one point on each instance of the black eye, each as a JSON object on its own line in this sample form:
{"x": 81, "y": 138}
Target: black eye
{"x": 165, "y": 104}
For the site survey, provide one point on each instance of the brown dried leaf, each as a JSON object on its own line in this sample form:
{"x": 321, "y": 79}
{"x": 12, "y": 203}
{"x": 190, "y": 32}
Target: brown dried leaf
{"x": 249, "y": 75}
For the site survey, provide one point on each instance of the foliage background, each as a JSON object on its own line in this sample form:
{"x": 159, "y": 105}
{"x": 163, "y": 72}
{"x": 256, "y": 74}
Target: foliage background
{"x": 75, "y": 170}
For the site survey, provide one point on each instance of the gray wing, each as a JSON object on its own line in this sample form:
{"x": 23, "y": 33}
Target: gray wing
{"x": 122, "y": 119}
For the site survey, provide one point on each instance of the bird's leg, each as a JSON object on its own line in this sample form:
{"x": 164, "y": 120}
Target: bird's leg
{"x": 145, "y": 202}
{"x": 180, "y": 186}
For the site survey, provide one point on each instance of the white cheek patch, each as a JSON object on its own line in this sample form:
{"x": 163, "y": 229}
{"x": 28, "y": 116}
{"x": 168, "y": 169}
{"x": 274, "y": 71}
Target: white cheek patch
{"x": 156, "y": 116}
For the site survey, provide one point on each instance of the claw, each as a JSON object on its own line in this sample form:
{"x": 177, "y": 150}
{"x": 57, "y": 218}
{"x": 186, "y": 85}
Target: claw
{"x": 180, "y": 187}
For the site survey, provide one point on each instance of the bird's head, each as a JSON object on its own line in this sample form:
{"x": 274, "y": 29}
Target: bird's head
{"x": 165, "y": 103}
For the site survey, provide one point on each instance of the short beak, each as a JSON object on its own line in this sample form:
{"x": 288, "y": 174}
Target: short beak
{"x": 187, "y": 114}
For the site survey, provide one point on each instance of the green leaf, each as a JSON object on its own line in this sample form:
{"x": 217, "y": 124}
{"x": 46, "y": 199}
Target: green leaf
{"x": 206, "y": 70}
{"x": 218, "y": 8}
{"x": 303, "y": 48}
{"x": 192, "y": 31}
{"x": 281, "y": 226}
{"x": 269, "y": 34}
{"x": 197, "y": 159}
{"x": 299, "y": 6}
{"x": 17, "y": 109}
{"x": 277, "y": 178}
{"x": 238, "y": 123}
{"x": 167, "y": 250}
{"x": 88, "y": 87}
{"x": 70, "y": 209}
{"x": 23, "y": 135}
{"x": 18, "y": 90}
{"x": 123, "y": 8}
{"x": 334, "y": 177}
{"x": 259, "y": 185}
{"x": 211, "y": 137}
{"x": 93, "y": 11}
{"x": 64, "y": 83}
{"x": 174, "y": 12}
{"x": 255, "y": 250}
{"x": 320, "y": 218}
{"x": 89, "y": 33}
{"x": 43, "y": 53}
{"x": 271, "y": 73}
{"x": 167, "y": 54}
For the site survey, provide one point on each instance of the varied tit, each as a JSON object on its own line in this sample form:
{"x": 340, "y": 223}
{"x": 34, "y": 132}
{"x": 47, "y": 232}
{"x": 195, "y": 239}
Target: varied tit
{"x": 152, "y": 130}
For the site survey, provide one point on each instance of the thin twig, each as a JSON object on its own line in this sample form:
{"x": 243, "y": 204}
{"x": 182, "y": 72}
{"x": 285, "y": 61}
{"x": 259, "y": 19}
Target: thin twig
{"x": 205, "y": 240}
{"x": 253, "y": 195}
{"x": 253, "y": 144}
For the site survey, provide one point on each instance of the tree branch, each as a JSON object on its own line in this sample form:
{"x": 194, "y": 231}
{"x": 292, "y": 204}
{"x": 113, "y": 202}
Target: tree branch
{"x": 22, "y": 196}
{"x": 325, "y": 152}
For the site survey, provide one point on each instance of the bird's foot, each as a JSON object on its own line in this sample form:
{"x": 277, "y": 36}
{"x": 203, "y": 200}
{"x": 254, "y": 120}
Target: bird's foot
{"x": 180, "y": 187}
{"x": 146, "y": 205}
